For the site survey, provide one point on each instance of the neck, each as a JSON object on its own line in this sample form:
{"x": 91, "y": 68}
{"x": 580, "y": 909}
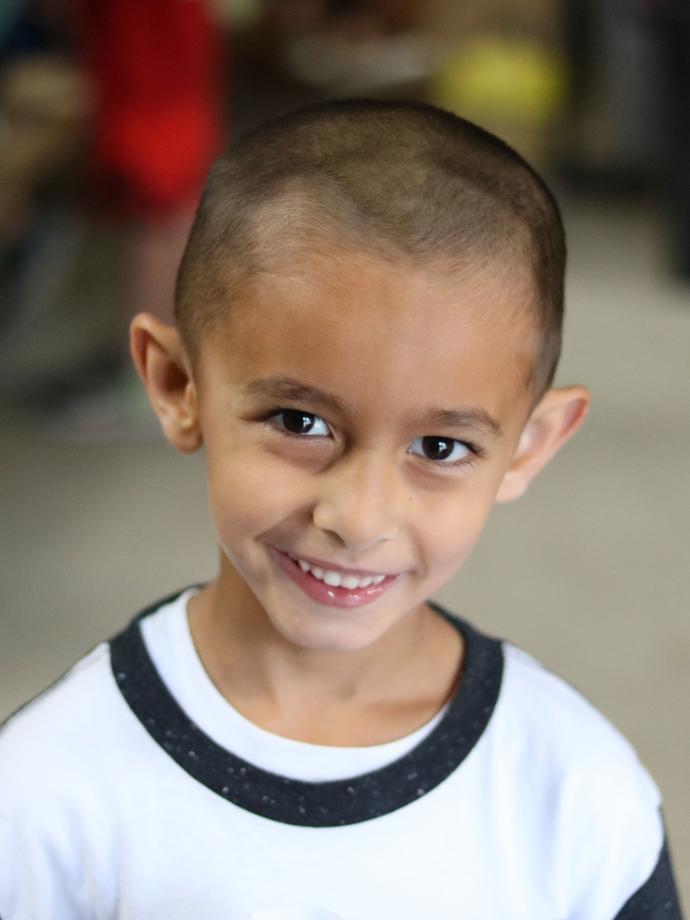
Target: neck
{"x": 366, "y": 696}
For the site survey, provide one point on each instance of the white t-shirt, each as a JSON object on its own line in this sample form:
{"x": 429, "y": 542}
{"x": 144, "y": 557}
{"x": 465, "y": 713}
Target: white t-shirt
{"x": 132, "y": 789}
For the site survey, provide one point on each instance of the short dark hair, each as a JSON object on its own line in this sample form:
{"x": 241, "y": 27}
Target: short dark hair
{"x": 405, "y": 178}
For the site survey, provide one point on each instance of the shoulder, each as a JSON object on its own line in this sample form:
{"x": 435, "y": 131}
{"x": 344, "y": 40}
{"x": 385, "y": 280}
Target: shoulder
{"x": 56, "y": 762}
{"x": 596, "y": 802}
{"x": 86, "y": 675}
{"x": 68, "y": 689}
{"x": 80, "y": 733}
{"x": 60, "y": 735}
{"x": 562, "y": 729}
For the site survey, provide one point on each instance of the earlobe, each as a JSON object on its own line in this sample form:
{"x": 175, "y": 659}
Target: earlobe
{"x": 160, "y": 360}
{"x": 555, "y": 420}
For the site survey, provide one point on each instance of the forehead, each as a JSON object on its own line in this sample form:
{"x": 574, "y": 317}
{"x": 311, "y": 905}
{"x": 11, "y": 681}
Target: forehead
{"x": 384, "y": 335}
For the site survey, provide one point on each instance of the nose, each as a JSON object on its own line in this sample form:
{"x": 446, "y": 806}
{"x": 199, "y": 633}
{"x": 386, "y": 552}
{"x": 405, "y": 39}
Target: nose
{"x": 360, "y": 502}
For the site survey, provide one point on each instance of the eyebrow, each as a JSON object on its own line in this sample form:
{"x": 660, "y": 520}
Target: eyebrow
{"x": 288, "y": 388}
{"x": 281, "y": 387}
{"x": 468, "y": 417}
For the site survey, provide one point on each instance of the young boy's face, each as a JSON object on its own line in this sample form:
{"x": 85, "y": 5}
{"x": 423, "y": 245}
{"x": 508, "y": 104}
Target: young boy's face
{"x": 359, "y": 415}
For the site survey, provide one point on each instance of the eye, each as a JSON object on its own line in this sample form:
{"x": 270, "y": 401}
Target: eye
{"x": 442, "y": 450}
{"x": 297, "y": 422}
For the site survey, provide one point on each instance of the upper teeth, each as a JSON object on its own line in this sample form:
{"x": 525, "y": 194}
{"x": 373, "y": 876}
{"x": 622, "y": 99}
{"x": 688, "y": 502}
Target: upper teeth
{"x": 337, "y": 579}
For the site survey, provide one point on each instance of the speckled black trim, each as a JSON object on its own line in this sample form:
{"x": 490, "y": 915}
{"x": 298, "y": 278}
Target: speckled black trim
{"x": 657, "y": 899}
{"x": 309, "y": 804}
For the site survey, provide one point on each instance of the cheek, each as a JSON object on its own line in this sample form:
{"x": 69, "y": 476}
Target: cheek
{"x": 451, "y": 531}
{"x": 248, "y": 494}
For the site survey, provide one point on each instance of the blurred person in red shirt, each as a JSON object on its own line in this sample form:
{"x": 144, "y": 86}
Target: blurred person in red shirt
{"x": 157, "y": 126}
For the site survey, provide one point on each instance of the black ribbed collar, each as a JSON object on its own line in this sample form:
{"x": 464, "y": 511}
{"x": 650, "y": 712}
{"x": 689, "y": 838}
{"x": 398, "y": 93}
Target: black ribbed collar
{"x": 312, "y": 804}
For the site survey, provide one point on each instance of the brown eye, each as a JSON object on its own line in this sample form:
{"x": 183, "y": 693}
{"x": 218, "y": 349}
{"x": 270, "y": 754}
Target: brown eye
{"x": 295, "y": 421}
{"x": 437, "y": 448}
{"x": 298, "y": 422}
{"x": 441, "y": 449}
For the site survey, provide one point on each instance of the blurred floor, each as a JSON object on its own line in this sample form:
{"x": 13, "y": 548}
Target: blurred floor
{"x": 589, "y": 573}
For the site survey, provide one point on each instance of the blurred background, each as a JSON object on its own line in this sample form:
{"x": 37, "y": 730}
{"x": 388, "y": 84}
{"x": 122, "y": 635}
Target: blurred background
{"x": 110, "y": 113}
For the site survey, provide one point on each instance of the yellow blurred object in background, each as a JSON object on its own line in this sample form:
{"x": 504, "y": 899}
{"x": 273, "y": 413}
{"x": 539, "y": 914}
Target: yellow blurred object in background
{"x": 513, "y": 86}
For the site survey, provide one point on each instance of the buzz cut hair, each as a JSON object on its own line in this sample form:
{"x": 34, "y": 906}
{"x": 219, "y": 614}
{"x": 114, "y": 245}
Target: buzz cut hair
{"x": 402, "y": 179}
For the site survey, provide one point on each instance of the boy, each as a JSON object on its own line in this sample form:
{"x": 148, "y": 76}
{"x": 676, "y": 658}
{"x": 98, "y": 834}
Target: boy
{"x": 367, "y": 326}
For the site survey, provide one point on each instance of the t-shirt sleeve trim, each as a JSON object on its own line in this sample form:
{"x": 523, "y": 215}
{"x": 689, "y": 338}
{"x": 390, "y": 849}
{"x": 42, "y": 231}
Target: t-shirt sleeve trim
{"x": 657, "y": 899}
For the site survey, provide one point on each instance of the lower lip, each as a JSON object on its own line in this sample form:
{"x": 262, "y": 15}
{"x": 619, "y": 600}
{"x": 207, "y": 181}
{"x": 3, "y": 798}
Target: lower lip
{"x": 326, "y": 594}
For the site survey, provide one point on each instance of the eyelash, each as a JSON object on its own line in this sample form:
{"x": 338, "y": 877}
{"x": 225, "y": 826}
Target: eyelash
{"x": 474, "y": 450}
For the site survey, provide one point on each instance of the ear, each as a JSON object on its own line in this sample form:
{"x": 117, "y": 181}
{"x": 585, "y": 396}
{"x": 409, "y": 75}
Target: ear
{"x": 556, "y": 418}
{"x": 162, "y": 364}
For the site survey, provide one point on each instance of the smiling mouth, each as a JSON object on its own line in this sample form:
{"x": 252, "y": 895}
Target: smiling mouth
{"x": 337, "y": 579}
{"x": 331, "y": 587}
